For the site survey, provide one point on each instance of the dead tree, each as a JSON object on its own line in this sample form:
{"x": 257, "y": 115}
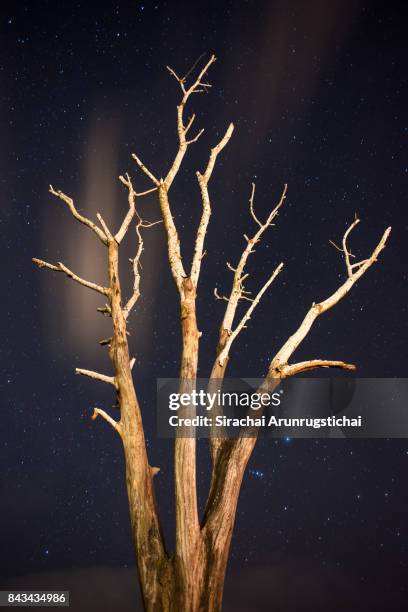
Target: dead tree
{"x": 192, "y": 578}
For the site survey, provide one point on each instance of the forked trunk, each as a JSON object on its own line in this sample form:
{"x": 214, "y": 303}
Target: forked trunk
{"x": 166, "y": 591}
{"x": 193, "y": 579}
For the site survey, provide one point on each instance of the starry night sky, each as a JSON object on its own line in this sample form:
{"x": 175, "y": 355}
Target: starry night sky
{"x": 317, "y": 92}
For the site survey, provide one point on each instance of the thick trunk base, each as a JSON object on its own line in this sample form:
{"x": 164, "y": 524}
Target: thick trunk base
{"x": 201, "y": 593}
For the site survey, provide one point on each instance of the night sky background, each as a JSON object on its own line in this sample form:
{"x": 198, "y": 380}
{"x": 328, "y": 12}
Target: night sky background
{"x": 317, "y": 92}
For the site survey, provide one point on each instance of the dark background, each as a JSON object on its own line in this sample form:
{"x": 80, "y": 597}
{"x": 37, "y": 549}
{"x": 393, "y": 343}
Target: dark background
{"x": 317, "y": 93}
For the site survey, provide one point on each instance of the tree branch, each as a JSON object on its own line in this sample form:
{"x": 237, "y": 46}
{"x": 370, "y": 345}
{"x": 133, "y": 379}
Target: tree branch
{"x": 215, "y": 152}
{"x": 70, "y": 203}
{"x": 95, "y": 375}
{"x": 242, "y": 324}
{"x": 132, "y": 195}
{"x": 205, "y": 217}
{"x": 140, "y": 245}
{"x": 104, "y": 227}
{"x": 304, "y": 366}
{"x": 218, "y": 296}
{"x": 145, "y": 170}
{"x": 251, "y": 206}
{"x": 182, "y": 130}
{"x": 283, "y": 355}
{"x": 61, "y": 268}
{"x": 173, "y": 242}
{"x": 99, "y": 412}
{"x": 105, "y": 310}
{"x": 237, "y": 452}
{"x": 120, "y": 234}
{"x": 237, "y": 290}
{"x": 136, "y": 264}
{"x": 227, "y": 335}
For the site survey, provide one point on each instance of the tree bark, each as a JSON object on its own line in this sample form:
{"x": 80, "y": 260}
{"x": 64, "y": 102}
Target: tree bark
{"x": 188, "y": 561}
{"x": 153, "y": 564}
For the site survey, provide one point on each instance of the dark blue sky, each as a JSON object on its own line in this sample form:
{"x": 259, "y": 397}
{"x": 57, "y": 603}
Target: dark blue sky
{"x": 317, "y": 92}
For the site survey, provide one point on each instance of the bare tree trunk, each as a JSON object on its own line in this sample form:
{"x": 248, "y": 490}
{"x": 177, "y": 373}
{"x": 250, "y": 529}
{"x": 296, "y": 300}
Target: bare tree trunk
{"x": 188, "y": 561}
{"x": 153, "y": 563}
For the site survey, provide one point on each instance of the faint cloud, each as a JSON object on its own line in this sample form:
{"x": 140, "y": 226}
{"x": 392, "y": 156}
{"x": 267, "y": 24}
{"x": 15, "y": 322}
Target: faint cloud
{"x": 70, "y": 310}
{"x": 295, "y": 43}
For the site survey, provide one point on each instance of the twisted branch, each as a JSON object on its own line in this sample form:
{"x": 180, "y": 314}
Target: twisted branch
{"x": 136, "y": 264}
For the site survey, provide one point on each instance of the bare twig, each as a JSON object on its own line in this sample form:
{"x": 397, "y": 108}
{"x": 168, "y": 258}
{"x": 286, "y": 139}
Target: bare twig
{"x": 70, "y": 203}
{"x": 251, "y": 206}
{"x": 180, "y": 80}
{"x": 104, "y": 227}
{"x": 205, "y": 217}
{"x": 336, "y": 246}
{"x": 182, "y": 130}
{"x": 120, "y": 234}
{"x": 110, "y": 380}
{"x": 99, "y": 412}
{"x": 238, "y": 290}
{"x": 190, "y": 70}
{"x": 304, "y": 366}
{"x": 283, "y": 355}
{"x": 105, "y": 310}
{"x": 195, "y": 137}
{"x": 173, "y": 242}
{"x": 347, "y": 254}
{"x": 189, "y": 123}
{"x": 145, "y": 170}
{"x": 218, "y": 296}
{"x": 136, "y": 264}
{"x": 61, "y": 268}
{"x": 242, "y": 324}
